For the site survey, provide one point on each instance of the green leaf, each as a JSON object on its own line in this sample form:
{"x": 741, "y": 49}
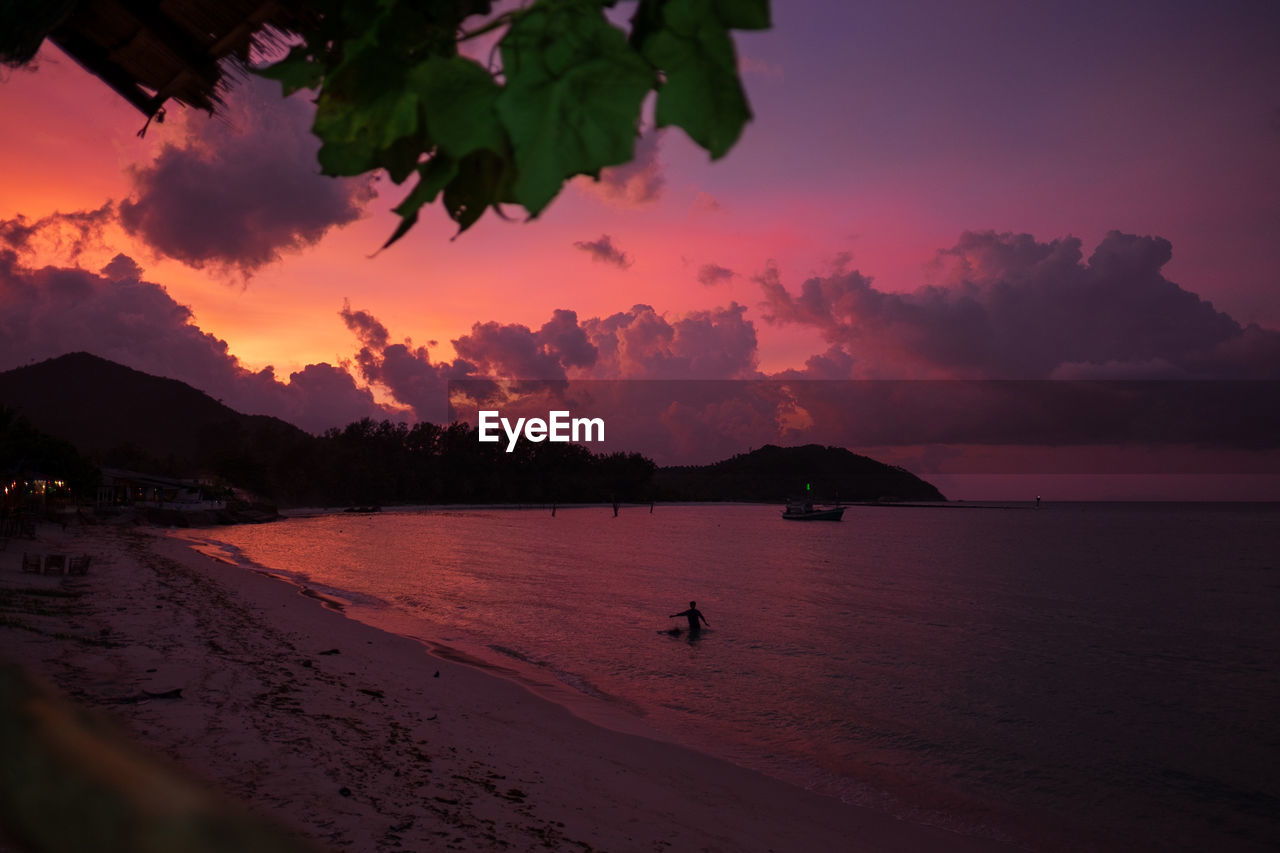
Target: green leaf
{"x": 296, "y": 71}
{"x": 366, "y": 116}
{"x": 401, "y": 157}
{"x": 393, "y": 91}
{"x": 459, "y": 98}
{"x": 572, "y": 99}
{"x": 433, "y": 175}
{"x": 743, "y": 14}
{"x": 702, "y": 92}
{"x": 481, "y": 182}
{"x": 357, "y": 134}
{"x": 401, "y": 119}
{"x": 338, "y": 159}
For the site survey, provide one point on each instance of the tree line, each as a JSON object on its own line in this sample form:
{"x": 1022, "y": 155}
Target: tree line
{"x": 372, "y": 462}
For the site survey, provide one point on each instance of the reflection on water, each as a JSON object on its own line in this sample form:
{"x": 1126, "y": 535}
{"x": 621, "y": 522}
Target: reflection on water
{"x": 1078, "y": 676}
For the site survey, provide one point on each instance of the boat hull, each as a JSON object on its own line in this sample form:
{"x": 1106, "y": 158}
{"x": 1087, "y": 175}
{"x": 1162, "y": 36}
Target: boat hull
{"x": 833, "y": 514}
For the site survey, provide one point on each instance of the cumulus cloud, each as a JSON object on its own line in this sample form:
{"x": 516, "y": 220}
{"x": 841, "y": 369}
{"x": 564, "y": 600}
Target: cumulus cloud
{"x": 674, "y": 405}
{"x": 405, "y": 370}
{"x": 835, "y": 363}
{"x": 719, "y": 343}
{"x": 560, "y": 363}
{"x": 642, "y": 344}
{"x": 605, "y": 252}
{"x": 993, "y": 314}
{"x": 490, "y": 351}
{"x": 1000, "y": 307}
{"x": 638, "y": 182}
{"x": 713, "y": 274}
{"x": 68, "y": 234}
{"x": 1009, "y": 307}
{"x": 240, "y": 191}
{"x": 513, "y": 350}
{"x": 562, "y": 336}
{"x": 116, "y": 314}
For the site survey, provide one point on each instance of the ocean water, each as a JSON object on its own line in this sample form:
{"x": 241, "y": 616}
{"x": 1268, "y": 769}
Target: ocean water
{"x": 1087, "y": 676}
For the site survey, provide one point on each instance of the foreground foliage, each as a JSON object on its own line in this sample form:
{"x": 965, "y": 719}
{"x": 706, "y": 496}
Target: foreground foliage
{"x": 395, "y": 93}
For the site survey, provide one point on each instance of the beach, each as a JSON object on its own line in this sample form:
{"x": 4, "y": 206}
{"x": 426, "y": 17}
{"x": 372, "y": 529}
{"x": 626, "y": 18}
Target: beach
{"x": 362, "y": 740}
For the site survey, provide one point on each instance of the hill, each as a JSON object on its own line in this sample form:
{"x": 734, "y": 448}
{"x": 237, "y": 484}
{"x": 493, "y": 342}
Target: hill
{"x": 101, "y": 406}
{"x": 124, "y": 418}
{"x": 773, "y": 474}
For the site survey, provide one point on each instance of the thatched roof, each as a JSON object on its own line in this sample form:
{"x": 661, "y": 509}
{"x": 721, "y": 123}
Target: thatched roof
{"x": 149, "y": 51}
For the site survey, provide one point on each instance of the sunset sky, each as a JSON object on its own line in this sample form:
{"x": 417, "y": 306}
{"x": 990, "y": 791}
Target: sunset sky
{"x": 982, "y": 190}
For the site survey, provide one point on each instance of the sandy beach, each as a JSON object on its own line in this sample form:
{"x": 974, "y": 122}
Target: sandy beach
{"x": 363, "y": 740}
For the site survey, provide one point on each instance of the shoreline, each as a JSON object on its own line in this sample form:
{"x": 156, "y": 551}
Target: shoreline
{"x": 390, "y": 741}
{"x": 599, "y": 710}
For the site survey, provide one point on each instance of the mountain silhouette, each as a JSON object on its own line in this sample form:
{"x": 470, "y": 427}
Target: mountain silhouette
{"x": 774, "y": 474}
{"x": 124, "y": 418}
{"x": 127, "y": 418}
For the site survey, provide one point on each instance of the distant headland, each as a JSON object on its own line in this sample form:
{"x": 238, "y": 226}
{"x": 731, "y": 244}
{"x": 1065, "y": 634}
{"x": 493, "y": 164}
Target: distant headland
{"x": 90, "y": 413}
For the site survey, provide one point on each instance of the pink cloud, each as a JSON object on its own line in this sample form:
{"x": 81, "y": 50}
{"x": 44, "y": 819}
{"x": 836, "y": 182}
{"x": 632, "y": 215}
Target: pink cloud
{"x": 638, "y": 182}
{"x": 1007, "y": 306}
{"x": 641, "y": 344}
{"x": 116, "y": 314}
{"x": 713, "y": 274}
{"x": 242, "y": 189}
{"x": 605, "y": 252}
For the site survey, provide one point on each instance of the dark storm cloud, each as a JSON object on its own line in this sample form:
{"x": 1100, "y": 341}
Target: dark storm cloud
{"x": 241, "y": 191}
{"x": 50, "y": 311}
{"x": 1010, "y": 307}
{"x": 605, "y": 252}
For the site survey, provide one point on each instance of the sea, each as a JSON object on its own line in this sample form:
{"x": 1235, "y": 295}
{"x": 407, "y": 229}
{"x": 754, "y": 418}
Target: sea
{"x": 1070, "y": 677}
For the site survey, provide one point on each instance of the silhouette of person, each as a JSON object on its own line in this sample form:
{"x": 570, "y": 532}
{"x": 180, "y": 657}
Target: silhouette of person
{"x": 694, "y": 615}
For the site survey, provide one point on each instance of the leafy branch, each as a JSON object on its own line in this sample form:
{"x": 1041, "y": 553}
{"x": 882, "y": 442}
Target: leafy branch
{"x": 394, "y": 93}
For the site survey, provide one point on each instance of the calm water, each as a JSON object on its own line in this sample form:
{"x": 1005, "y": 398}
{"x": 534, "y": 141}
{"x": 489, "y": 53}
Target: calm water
{"x": 1081, "y": 676}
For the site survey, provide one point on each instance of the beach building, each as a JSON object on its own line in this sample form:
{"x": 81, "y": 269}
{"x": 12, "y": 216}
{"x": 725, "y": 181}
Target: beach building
{"x": 121, "y": 488}
{"x": 32, "y": 491}
{"x": 150, "y": 53}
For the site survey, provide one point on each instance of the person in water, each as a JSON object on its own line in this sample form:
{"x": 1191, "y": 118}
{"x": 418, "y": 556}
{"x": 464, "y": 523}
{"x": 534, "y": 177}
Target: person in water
{"x": 694, "y": 615}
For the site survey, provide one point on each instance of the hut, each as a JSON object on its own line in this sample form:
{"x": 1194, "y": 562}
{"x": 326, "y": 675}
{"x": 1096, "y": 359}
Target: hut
{"x": 151, "y": 52}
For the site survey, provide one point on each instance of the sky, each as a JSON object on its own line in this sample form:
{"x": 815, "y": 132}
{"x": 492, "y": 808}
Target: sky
{"x": 929, "y": 190}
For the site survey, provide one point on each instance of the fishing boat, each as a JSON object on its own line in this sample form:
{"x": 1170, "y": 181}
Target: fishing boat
{"x": 806, "y": 510}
